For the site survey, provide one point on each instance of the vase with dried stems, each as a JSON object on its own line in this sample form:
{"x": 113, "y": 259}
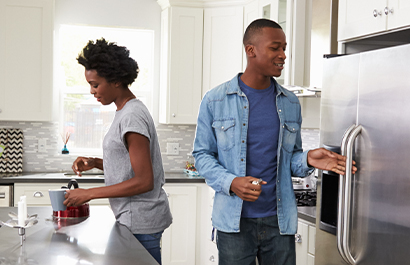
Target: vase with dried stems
{"x": 65, "y": 138}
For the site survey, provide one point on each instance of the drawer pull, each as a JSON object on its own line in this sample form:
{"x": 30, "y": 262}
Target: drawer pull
{"x": 212, "y": 258}
{"x": 38, "y": 194}
{"x": 2, "y": 195}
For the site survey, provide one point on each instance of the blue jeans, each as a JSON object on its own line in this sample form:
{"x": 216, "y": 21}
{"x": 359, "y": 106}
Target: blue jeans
{"x": 258, "y": 238}
{"x": 152, "y": 243}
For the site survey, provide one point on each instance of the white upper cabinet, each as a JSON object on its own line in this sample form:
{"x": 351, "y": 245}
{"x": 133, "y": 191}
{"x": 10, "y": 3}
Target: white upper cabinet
{"x": 398, "y": 13}
{"x": 201, "y": 48}
{"x": 181, "y": 65}
{"x": 358, "y": 18}
{"x": 222, "y": 54}
{"x": 26, "y": 60}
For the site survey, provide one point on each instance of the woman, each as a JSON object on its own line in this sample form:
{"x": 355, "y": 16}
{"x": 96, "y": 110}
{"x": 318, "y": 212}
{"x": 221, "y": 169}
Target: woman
{"x": 132, "y": 162}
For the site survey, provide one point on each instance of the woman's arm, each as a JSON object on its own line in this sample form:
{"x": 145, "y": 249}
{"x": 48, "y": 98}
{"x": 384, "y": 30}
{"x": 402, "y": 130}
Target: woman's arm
{"x": 86, "y": 163}
{"x": 143, "y": 180}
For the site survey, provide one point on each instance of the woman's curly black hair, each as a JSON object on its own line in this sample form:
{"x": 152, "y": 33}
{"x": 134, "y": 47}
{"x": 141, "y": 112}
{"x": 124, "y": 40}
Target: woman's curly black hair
{"x": 111, "y": 61}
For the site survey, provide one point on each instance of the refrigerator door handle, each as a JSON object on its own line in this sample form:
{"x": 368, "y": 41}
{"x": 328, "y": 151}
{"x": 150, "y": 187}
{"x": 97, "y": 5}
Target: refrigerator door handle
{"x": 348, "y": 194}
{"x": 340, "y": 223}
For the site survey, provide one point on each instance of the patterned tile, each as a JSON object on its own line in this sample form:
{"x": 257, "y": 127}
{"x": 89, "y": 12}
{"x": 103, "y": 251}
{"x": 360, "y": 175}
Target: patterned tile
{"x": 54, "y": 161}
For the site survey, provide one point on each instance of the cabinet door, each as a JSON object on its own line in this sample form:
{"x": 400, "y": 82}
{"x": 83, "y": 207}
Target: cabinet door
{"x": 310, "y": 260}
{"x": 178, "y": 241}
{"x": 398, "y": 13}
{"x": 301, "y": 239}
{"x": 26, "y": 60}
{"x": 356, "y": 18}
{"x": 181, "y": 65}
{"x": 222, "y": 55}
{"x": 251, "y": 12}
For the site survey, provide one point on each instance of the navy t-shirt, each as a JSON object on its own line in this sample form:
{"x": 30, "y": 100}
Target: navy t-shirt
{"x": 262, "y": 148}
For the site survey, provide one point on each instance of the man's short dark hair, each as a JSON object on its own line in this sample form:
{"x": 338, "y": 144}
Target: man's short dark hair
{"x": 111, "y": 61}
{"x": 256, "y": 27}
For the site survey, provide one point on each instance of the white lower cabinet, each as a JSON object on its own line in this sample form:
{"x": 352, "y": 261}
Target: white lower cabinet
{"x": 211, "y": 257}
{"x": 305, "y": 243}
{"x": 188, "y": 240}
{"x": 178, "y": 240}
{"x": 37, "y": 193}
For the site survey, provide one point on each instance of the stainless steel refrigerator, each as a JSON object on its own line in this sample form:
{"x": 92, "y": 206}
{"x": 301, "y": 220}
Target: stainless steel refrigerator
{"x": 365, "y": 114}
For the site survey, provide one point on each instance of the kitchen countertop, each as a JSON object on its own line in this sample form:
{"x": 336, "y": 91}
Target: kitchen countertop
{"x": 307, "y": 213}
{"x": 11, "y": 178}
{"x": 98, "y": 239}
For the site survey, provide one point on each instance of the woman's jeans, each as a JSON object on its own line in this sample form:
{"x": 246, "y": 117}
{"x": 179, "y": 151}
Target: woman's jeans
{"x": 258, "y": 238}
{"x": 152, "y": 243}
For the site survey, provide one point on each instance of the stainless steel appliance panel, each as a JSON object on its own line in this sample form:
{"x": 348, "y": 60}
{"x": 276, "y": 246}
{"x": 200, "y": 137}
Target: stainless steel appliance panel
{"x": 381, "y": 209}
{"x": 338, "y": 112}
{"x": 339, "y": 97}
{"x": 380, "y": 212}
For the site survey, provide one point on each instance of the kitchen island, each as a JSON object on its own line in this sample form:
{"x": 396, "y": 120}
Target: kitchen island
{"x": 98, "y": 239}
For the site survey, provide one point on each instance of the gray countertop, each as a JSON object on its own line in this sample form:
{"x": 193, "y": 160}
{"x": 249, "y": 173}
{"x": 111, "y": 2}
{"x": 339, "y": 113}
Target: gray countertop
{"x": 307, "y": 213}
{"x": 98, "y": 239}
{"x": 10, "y": 178}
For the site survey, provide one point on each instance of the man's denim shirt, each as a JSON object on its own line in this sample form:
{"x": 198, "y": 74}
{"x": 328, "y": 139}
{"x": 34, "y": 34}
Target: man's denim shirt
{"x": 220, "y": 152}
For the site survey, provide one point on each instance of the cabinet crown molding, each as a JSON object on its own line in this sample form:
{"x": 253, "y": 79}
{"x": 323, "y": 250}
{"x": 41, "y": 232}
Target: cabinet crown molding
{"x": 200, "y": 3}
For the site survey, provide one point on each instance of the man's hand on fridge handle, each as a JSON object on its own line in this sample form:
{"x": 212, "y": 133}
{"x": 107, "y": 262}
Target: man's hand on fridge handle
{"x": 244, "y": 189}
{"x": 322, "y": 158}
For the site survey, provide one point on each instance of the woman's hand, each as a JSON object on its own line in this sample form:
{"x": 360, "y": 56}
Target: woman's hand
{"x": 83, "y": 164}
{"x": 77, "y": 197}
{"x": 322, "y": 158}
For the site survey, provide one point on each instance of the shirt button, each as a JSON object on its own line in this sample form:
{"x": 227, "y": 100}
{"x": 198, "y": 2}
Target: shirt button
{"x": 245, "y": 107}
{"x": 222, "y": 128}
{"x": 242, "y": 159}
{"x": 243, "y": 141}
{"x": 278, "y": 199}
{"x": 244, "y": 124}
{"x": 280, "y": 110}
{"x": 278, "y": 180}
{"x": 283, "y": 126}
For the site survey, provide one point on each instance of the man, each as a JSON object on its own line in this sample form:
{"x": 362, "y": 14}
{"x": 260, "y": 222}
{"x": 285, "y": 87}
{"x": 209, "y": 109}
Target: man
{"x": 248, "y": 129}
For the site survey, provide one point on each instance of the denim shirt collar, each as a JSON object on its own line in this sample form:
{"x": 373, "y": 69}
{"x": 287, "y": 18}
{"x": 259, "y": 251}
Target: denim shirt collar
{"x": 234, "y": 88}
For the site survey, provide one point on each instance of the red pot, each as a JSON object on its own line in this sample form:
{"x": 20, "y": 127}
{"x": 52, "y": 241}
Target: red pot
{"x": 74, "y": 212}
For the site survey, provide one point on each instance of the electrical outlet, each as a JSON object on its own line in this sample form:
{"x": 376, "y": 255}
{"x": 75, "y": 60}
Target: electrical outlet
{"x": 41, "y": 148}
{"x": 173, "y": 148}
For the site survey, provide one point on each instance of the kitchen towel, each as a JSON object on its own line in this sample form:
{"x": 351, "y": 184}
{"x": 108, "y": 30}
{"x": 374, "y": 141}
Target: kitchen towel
{"x": 12, "y": 157}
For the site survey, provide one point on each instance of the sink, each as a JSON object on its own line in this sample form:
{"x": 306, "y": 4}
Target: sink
{"x": 85, "y": 175}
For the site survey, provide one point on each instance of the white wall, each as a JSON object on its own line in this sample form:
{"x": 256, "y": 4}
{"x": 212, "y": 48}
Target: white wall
{"x": 142, "y": 14}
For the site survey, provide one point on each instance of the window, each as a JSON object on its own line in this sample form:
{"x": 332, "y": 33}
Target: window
{"x": 81, "y": 115}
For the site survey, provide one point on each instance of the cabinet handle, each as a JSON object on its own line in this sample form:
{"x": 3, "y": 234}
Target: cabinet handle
{"x": 387, "y": 10}
{"x": 298, "y": 238}
{"x": 38, "y": 194}
{"x": 212, "y": 258}
{"x": 173, "y": 115}
{"x": 377, "y": 13}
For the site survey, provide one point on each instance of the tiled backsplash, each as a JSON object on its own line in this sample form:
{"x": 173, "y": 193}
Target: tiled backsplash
{"x": 53, "y": 161}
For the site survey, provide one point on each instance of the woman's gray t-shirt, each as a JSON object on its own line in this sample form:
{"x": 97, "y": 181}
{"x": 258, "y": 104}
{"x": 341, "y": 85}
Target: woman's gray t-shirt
{"x": 144, "y": 213}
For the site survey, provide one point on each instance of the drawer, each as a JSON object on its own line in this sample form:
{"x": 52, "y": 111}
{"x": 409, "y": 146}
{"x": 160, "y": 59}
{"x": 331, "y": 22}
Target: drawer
{"x": 37, "y": 193}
